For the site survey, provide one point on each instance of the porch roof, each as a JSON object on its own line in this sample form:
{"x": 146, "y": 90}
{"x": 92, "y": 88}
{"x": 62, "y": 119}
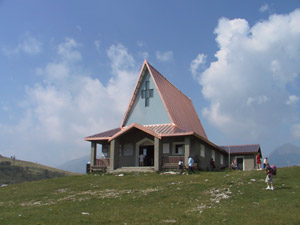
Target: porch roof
{"x": 160, "y": 130}
{"x": 242, "y": 149}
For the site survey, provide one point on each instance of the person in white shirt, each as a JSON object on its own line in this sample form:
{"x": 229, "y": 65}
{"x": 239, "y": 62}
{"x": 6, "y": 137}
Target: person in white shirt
{"x": 141, "y": 157}
{"x": 191, "y": 162}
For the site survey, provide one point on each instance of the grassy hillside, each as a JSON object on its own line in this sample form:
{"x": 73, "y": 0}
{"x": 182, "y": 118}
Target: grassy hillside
{"x": 17, "y": 171}
{"x": 230, "y": 197}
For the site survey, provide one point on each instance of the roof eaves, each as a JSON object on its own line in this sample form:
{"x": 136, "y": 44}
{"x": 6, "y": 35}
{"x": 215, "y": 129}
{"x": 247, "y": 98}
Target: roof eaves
{"x": 177, "y": 134}
{"x": 96, "y": 138}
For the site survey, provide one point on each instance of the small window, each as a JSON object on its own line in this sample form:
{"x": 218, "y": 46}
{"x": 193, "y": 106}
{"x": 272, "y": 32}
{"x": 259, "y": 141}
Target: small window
{"x": 105, "y": 150}
{"x": 213, "y": 155}
{"x": 179, "y": 149}
{"x": 166, "y": 148}
{"x": 202, "y": 151}
{"x": 221, "y": 159}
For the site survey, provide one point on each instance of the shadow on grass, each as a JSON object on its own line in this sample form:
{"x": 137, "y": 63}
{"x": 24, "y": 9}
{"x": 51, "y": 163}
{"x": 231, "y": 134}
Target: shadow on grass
{"x": 282, "y": 188}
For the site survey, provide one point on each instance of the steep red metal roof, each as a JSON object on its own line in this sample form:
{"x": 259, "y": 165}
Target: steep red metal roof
{"x": 179, "y": 107}
{"x": 242, "y": 149}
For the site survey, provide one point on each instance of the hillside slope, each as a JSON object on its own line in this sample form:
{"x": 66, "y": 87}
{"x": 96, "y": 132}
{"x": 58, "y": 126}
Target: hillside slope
{"x": 229, "y": 197}
{"x": 18, "y": 171}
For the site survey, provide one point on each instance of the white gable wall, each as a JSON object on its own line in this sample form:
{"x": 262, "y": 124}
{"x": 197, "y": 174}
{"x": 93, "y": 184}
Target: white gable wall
{"x": 155, "y": 113}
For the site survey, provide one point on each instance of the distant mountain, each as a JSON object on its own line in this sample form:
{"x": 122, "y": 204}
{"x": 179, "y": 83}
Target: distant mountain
{"x": 285, "y": 155}
{"x": 76, "y": 165}
{"x": 18, "y": 171}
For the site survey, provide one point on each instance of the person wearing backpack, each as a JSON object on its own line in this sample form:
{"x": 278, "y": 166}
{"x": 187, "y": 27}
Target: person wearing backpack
{"x": 270, "y": 177}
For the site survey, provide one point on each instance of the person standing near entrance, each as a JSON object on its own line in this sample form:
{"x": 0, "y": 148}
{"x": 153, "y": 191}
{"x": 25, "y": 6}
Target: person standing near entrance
{"x": 191, "y": 162}
{"x": 142, "y": 157}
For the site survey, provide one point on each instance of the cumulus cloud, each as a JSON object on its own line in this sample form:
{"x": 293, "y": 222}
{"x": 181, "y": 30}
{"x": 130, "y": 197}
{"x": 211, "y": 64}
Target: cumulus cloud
{"x": 28, "y": 45}
{"x": 70, "y": 104}
{"x": 254, "y": 75}
{"x": 68, "y": 50}
{"x": 164, "y": 56}
{"x": 197, "y": 64}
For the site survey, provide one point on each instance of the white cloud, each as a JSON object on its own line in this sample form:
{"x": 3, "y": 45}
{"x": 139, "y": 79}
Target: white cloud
{"x": 258, "y": 100}
{"x": 199, "y": 61}
{"x": 68, "y": 50}
{"x": 28, "y": 44}
{"x": 70, "y": 105}
{"x": 264, "y": 8}
{"x": 295, "y": 130}
{"x": 255, "y": 71}
{"x": 164, "y": 56}
{"x": 292, "y": 99}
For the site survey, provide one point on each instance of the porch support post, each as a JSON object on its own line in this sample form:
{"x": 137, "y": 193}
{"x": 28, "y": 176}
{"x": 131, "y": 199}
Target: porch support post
{"x": 114, "y": 154}
{"x": 157, "y": 154}
{"x": 93, "y": 153}
{"x": 187, "y": 149}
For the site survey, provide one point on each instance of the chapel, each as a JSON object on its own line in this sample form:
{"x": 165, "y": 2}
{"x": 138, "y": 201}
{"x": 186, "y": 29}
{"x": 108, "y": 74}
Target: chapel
{"x": 160, "y": 127}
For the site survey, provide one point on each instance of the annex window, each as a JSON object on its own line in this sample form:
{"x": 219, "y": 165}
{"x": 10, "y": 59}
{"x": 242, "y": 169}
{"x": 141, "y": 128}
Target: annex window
{"x": 105, "y": 151}
{"x": 202, "y": 151}
{"x": 213, "y": 155}
{"x": 221, "y": 159}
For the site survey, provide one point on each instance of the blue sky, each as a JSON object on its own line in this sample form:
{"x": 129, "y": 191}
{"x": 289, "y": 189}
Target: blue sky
{"x": 68, "y": 69}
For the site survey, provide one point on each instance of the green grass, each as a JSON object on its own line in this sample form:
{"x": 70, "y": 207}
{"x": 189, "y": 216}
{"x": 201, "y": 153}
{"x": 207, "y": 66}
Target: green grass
{"x": 230, "y": 197}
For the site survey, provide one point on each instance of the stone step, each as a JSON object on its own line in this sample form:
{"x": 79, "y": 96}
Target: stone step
{"x": 144, "y": 169}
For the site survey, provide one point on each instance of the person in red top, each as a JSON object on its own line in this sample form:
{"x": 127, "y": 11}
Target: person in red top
{"x": 258, "y": 157}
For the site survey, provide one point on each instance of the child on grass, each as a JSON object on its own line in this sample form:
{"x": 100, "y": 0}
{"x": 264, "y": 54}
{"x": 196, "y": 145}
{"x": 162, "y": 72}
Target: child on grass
{"x": 180, "y": 166}
{"x": 269, "y": 178}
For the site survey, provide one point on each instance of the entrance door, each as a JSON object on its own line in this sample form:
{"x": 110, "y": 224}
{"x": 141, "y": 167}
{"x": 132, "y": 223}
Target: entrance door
{"x": 148, "y": 152}
{"x": 240, "y": 163}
